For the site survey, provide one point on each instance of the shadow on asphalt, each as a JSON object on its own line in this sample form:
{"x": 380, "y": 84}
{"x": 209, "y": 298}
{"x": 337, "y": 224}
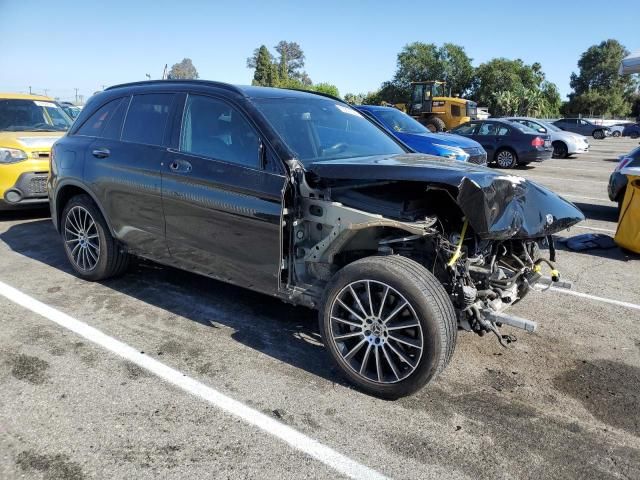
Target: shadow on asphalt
{"x": 24, "y": 214}
{"x": 614, "y": 253}
{"x": 287, "y": 333}
{"x": 602, "y": 213}
{"x": 605, "y": 213}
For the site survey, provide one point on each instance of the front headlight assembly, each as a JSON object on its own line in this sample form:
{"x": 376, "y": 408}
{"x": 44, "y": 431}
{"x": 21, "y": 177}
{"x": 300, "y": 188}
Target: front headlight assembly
{"x": 455, "y": 153}
{"x": 11, "y": 155}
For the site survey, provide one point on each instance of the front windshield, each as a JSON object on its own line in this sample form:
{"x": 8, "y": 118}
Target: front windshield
{"x": 21, "y": 115}
{"x": 323, "y": 129}
{"x": 399, "y": 122}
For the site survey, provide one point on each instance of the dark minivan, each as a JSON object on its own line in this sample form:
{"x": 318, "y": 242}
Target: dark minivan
{"x": 298, "y": 196}
{"x": 508, "y": 143}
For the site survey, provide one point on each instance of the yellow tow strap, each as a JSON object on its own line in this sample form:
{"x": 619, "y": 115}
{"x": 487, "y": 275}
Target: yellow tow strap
{"x": 456, "y": 254}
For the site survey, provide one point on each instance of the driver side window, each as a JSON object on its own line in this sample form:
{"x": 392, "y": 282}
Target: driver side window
{"x": 214, "y": 129}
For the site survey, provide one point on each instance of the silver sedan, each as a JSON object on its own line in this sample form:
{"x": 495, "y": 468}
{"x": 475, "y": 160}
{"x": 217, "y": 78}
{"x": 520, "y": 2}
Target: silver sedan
{"x": 564, "y": 143}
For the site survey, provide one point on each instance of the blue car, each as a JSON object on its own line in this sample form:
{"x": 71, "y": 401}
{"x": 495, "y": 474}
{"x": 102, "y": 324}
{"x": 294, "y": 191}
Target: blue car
{"x": 632, "y": 131}
{"x": 419, "y": 138}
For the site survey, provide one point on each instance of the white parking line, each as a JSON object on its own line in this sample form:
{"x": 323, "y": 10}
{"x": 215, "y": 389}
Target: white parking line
{"x": 582, "y": 196}
{"x": 581, "y": 170}
{"x": 595, "y": 228}
{"x": 543, "y": 177}
{"x": 596, "y": 298}
{"x": 293, "y": 438}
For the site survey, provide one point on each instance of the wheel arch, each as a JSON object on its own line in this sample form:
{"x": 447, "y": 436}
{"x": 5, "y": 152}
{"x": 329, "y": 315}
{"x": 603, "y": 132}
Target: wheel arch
{"x": 65, "y": 192}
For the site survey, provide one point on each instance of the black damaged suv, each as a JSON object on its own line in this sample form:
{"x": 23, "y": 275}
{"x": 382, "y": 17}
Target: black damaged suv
{"x": 298, "y": 196}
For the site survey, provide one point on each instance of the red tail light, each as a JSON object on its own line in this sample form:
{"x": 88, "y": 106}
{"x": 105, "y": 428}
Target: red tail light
{"x": 537, "y": 142}
{"x": 623, "y": 163}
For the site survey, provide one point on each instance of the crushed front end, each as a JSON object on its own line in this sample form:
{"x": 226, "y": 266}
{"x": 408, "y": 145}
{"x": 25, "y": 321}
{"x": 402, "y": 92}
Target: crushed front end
{"x": 487, "y": 237}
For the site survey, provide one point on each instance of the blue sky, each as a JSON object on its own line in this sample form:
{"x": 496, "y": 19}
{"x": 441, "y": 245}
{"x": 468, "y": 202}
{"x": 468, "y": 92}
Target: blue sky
{"x": 62, "y": 45}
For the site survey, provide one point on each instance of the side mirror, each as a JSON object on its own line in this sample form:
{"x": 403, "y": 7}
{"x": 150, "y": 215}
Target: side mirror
{"x": 542, "y": 130}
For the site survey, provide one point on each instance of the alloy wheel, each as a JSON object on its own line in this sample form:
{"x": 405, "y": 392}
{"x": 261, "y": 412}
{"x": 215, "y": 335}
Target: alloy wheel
{"x": 505, "y": 159}
{"x": 81, "y": 238}
{"x": 376, "y": 331}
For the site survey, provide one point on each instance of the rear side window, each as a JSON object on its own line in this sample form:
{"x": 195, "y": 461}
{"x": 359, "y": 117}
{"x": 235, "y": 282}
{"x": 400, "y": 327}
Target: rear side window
{"x": 114, "y": 127}
{"x": 147, "y": 117}
{"x": 488, "y": 129}
{"x": 466, "y": 129}
{"x": 502, "y": 131}
{"x": 214, "y": 129}
{"x": 96, "y": 123}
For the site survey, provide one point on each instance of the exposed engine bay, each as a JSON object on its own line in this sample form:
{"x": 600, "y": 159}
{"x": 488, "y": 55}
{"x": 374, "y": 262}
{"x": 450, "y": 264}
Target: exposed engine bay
{"x": 337, "y": 222}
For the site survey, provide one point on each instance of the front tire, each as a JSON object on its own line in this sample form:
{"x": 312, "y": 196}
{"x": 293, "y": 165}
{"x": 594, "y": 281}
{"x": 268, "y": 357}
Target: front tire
{"x": 616, "y": 133}
{"x": 598, "y": 134}
{"x": 93, "y": 253}
{"x": 506, "y": 158}
{"x": 388, "y": 324}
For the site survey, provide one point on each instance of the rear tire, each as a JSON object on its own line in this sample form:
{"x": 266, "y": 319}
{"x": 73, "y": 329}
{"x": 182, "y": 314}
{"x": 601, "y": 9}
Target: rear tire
{"x": 560, "y": 149}
{"x": 506, "y": 158}
{"x": 93, "y": 253}
{"x": 388, "y": 324}
{"x": 634, "y": 135}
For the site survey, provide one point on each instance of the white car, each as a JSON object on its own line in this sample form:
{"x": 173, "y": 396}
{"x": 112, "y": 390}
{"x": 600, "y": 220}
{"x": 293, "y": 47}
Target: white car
{"x": 564, "y": 143}
{"x": 616, "y": 130}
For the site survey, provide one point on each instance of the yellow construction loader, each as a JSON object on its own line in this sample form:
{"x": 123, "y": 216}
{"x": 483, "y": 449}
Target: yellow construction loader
{"x": 430, "y": 105}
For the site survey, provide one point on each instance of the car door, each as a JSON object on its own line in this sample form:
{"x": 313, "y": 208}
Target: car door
{"x": 585, "y": 128}
{"x": 487, "y": 136}
{"x": 123, "y": 170}
{"x": 222, "y": 201}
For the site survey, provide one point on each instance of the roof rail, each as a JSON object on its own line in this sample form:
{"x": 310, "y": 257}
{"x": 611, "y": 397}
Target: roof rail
{"x": 227, "y": 86}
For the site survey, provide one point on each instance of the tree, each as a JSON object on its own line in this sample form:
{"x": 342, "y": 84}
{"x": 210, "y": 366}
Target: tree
{"x": 326, "y": 88}
{"x": 262, "y": 61}
{"x": 635, "y": 109}
{"x": 285, "y": 71}
{"x": 511, "y": 87}
{"x": 419, "y": 61}
{"x": 290, "y": 59}
{"x": 598, "y": 88}
{"x": 458, "y": 71}
{"x": 269, "y": 70}
{"x": 183, "y": 71}
{"x": 354, "y": 98}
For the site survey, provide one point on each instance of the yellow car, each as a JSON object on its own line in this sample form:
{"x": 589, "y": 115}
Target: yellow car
{"x": 29, "y": 124}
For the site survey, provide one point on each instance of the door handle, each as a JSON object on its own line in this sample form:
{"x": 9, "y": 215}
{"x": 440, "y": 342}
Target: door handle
{"x": 101, "y": 152}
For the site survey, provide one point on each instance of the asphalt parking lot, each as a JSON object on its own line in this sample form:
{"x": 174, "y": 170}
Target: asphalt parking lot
{"x": 563, "y": 402}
